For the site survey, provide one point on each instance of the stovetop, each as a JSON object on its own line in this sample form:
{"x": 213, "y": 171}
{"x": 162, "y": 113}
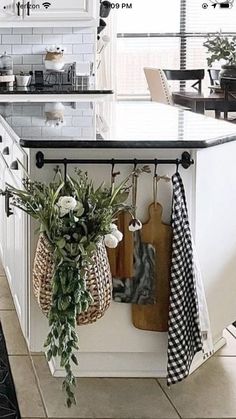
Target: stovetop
{"x": 52, "y": 89}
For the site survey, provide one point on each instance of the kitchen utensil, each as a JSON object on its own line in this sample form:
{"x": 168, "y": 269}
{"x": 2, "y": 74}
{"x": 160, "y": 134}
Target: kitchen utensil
{"x": 155, "y": 317}
{"x": 121, "y": 258}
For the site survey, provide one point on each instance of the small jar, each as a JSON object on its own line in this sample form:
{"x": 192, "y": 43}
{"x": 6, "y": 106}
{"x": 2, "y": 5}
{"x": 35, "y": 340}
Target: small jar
{"x": 6, "y": 64}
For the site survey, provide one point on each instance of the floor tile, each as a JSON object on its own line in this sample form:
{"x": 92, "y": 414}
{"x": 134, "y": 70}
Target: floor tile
{"x": 230, "y": 348}
{"x": 210, "y": 392}
{"x": 6, "y": 302}
{"x": 28, "y": 395}
{"x": 11, "y": 328}
{"x": 104, "y": 397}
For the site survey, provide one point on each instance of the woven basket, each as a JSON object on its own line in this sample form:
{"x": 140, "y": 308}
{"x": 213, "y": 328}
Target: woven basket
{"x": 98, "y": 281}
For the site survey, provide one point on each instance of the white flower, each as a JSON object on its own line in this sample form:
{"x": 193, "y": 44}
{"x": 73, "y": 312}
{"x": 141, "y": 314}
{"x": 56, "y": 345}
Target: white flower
{"x": 66, "y": 204}
{"x": 110, "y": 241}
{"x": 135, "y": 225}
{"x": 115, "y": 232}
{"x": 118, "y": 235}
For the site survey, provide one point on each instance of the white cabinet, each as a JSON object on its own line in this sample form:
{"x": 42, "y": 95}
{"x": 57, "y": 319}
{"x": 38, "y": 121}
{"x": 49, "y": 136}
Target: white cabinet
{"x": 3, "y": 167}
{"x": 13, "y": 226}
{"x": 15, "y": 260}
{"x": 11, "y": 10}
{"x": 59, "y": 10}
{"x": 73, "y": 12}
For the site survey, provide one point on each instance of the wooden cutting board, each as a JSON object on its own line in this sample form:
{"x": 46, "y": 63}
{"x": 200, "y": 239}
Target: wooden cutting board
{"x": 121, "y": 259}
{"x": 155, "y": 317}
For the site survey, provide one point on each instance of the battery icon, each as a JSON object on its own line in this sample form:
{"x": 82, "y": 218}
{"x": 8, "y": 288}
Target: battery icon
{"x": 224, "y": 5}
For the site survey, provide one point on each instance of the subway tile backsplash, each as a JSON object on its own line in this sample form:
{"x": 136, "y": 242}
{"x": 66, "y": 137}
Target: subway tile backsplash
{"x": 27, "y": 45}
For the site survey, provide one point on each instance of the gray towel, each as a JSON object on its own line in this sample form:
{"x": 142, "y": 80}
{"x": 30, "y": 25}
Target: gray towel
{"x": 141, "y": 288}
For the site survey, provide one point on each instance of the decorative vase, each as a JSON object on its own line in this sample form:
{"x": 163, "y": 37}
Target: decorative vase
{"x": 98, "y": 281}
{"x": 54, "y": 61}
{"x": 228, "y": 70}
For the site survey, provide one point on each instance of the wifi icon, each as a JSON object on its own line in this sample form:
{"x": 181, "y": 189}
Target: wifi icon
{"x": 46, "y": 4}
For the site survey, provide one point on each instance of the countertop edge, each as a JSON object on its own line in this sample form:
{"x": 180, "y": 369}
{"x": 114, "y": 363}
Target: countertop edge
{"x": 93, "y": 144}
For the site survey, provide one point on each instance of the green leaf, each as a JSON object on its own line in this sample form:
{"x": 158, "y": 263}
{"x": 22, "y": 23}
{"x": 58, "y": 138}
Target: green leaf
{"x": 48, "y": 341}
{"x": 49, "y": 355}
{"x": 61, "y": 243}
{"x": 64, "y": 359}
{"x": 74, "y": 359}
{"x": 54, "y": 350}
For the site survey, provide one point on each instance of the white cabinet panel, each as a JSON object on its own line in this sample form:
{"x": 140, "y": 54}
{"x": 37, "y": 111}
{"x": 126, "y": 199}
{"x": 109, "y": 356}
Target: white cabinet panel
{"x": 41, "y": 12}
{"x": 12, "y": 10}
{"x": 9, "y": 229}
{"x": 60, "y": 10}
{"x": 15, "y": 260}
{"x": 3, "y": 167}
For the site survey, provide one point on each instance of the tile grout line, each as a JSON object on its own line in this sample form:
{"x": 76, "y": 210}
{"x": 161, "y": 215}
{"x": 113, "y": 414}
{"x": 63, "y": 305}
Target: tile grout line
{"x": 167, "y": 396}
{"x": 7, "y": 309}
{"x": 38, "y": 386}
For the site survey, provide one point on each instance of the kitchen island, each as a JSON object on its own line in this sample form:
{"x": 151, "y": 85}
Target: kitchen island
{"x": 106, "y": 130}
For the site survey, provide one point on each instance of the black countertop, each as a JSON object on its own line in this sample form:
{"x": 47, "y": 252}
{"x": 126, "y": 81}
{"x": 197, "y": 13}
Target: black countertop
{"x": 64, "y": 89}
{"x": 113, "y": 125}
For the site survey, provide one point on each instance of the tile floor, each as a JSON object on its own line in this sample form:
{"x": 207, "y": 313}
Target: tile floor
{"x": 208, "y": 393}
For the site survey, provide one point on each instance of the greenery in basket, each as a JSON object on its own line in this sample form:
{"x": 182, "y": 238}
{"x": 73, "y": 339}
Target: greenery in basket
{"x": 220, "y": 47}
{"x": 75, "y": 216}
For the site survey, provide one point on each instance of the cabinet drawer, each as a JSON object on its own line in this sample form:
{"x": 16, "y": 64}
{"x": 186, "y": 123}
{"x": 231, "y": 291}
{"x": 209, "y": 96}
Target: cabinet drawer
{"x": 20, "y": 156}
{"x": 18, "y": 164}
{"x": 6, "y": 144}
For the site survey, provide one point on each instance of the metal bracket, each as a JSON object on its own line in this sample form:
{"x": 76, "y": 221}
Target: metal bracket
{"x": 186, "y": 161}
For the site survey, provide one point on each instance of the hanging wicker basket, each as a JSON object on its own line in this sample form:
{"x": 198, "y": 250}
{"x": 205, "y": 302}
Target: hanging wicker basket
{"x": 98, "y": 281}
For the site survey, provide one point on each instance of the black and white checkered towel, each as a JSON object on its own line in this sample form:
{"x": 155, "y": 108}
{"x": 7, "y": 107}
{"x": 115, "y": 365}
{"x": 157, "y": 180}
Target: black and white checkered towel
{"x": 184, "y": 338}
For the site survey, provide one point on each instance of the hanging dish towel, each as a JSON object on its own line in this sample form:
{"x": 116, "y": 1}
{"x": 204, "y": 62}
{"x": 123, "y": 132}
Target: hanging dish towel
{"x": 184, "y": 336}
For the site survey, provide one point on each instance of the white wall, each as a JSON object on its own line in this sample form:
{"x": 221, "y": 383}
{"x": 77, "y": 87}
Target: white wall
{"x": 27, "y": 45}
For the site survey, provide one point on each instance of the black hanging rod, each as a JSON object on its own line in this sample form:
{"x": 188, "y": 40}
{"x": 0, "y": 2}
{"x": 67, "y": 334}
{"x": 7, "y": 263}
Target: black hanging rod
{"x": 185, "y": 161}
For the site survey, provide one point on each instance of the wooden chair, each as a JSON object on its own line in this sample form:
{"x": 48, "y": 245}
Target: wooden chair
{"x": 214, "y": 76}
{"x": 184, "y": 75}
{"x": 158, "y": 86}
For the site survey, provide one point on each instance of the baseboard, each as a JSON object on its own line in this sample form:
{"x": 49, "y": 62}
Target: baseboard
{"x": 124, "y": 364}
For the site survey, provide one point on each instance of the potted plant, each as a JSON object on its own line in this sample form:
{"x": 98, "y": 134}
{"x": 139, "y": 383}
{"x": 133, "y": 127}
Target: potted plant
{"x": 222, "y": 49}
{"x": 76, "y": 222}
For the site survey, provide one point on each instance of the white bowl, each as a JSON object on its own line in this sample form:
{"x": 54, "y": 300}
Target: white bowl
{"x": 54, "y": 65}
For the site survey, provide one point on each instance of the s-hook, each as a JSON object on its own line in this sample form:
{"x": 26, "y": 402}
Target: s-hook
{"x": 155, "y": 181}
{"x": 65, "y": 170}
{"x": 113, "y": 173}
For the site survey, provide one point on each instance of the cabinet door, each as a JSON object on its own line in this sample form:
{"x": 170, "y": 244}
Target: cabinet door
{"x": 12, "y": 10}
{"x": 3, "y": 167}
{"x": 71, "y": 10}
{"x": 16, "y": 254}
{"x": 9, "y": 237}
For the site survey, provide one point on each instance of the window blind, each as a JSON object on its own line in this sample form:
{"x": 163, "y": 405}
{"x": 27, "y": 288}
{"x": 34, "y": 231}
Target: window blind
{"x": 166, "y": 35}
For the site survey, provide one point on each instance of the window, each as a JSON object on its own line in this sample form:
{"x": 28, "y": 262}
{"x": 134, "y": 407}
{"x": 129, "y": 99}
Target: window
{"x": 164, "y": 34}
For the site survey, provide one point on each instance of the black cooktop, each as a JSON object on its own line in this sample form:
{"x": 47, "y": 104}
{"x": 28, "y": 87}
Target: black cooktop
{"x": 52, "y": 89}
